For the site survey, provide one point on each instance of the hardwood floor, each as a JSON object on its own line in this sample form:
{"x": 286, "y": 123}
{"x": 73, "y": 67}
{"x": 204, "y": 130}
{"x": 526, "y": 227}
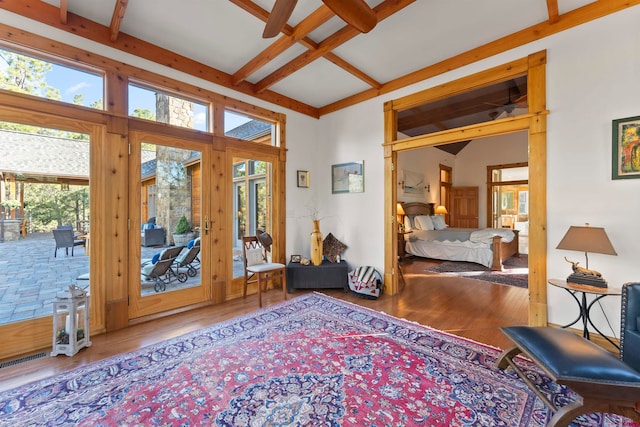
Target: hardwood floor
{"x": 464, "y": 307}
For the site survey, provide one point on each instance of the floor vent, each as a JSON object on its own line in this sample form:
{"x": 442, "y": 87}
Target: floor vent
{"x": 23, "y": 359}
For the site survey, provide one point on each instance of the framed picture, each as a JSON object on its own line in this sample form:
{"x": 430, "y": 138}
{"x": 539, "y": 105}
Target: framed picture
{"x": 347, "y": 178}
{"x": 295, "y": 258}
{"x": 303, "y": 179}
{"x": 412, "y": 183}
{"x": 625, "y": 154}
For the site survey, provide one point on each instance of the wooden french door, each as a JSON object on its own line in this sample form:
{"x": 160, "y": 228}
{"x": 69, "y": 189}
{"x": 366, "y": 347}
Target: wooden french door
{"x": 169, "y": 182}
{"x": 464, "y": 207}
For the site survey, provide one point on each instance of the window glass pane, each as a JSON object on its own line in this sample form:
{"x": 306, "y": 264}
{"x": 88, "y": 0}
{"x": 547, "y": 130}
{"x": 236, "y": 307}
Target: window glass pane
{"x": 251, "y": 205}
{"x": 241, "y": 126}
{"x": 45, "y": 79}
{"x": 44, "y": 218}
{"x": 152, "y": 104}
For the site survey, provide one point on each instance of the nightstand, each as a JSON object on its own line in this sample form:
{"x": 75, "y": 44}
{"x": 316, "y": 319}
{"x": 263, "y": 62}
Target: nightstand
{"x": 401, "y": 253}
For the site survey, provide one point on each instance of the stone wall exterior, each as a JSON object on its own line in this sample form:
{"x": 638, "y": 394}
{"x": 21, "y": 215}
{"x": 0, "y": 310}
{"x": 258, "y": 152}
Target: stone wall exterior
{"x": 173, "y": 183}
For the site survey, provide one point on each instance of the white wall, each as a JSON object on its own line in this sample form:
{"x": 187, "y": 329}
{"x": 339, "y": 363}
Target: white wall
{"x": 592, "y": 79}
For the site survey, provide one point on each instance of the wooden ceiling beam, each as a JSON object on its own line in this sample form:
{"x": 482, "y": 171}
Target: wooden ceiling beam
{"x": 47, "y": 14}
{"x": 382, "y": 11}
{"x": 116, "y": 20}
{"x": 64, "y": 7}
{"x": 310, "y": 23}
{"x": 307, "y": 42}
{"x": 582, "y": 15}
{"x": 552, "y": 8}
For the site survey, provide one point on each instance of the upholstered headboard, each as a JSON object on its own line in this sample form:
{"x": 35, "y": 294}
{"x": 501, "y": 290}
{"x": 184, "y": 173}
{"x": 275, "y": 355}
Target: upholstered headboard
{"x": 418, "y": 208}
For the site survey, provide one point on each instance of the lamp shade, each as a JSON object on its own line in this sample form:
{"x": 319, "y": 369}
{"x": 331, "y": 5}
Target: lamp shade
{"x": 587, "y": 239}
{"x": 441, "y": 210}
{"x": 399, "y": 209}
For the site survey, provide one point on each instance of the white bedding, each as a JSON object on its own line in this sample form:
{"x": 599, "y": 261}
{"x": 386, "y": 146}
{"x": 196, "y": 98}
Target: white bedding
{"x": 475, "y": 247}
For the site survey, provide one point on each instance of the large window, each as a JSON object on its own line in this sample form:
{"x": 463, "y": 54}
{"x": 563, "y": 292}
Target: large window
{"x": 44, "y": 218}
{"x": 158, "y": 106}
{"x": 46, "y": 79}
{"x": 241, "y": 126}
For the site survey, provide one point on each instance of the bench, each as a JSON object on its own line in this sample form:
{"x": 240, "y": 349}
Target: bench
{"x": 604, "y": 382}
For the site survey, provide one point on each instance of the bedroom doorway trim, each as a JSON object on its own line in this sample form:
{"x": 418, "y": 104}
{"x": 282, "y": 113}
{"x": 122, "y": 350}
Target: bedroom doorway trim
{"x": 534, "y": 122}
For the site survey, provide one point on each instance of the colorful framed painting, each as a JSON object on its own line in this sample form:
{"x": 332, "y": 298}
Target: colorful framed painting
{"x": 347, "y": 178}
{"x": 626, "y": 148}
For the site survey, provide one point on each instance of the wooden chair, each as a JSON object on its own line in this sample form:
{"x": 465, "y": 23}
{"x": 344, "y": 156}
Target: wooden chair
{"x": 258, "y": 269}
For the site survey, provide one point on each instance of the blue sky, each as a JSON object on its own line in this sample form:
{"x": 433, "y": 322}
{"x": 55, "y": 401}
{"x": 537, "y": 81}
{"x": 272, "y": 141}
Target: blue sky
{"x": 71, "y": 82}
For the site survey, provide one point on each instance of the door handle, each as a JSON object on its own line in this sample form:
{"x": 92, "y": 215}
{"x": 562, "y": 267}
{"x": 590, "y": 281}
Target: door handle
{"x": 206, "y": 225}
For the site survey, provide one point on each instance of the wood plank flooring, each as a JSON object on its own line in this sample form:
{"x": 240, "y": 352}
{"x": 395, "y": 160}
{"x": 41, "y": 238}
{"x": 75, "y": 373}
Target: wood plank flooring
{"x": 464, "y": 307}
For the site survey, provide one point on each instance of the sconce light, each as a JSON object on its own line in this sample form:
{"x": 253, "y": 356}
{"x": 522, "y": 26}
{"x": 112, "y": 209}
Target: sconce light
{"x": 441, "y": 210}
{"x": 586, "y": 239}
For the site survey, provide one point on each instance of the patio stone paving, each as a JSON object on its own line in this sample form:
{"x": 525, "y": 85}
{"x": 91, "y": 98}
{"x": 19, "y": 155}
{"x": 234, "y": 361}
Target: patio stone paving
{"x": 31, "y": 277}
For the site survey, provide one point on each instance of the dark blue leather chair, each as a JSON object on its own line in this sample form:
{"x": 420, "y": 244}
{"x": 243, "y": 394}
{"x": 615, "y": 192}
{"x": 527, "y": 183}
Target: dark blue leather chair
{"x": 605, "y": 382}
{"x": 630, "y": 325}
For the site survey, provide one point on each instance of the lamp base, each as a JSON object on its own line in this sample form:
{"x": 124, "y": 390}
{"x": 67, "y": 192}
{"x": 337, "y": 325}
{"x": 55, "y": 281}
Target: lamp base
{"x": 587, "y": 279}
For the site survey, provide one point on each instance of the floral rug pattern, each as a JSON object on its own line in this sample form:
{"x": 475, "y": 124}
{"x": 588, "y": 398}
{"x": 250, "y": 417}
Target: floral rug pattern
{"x": 312, "y": 360}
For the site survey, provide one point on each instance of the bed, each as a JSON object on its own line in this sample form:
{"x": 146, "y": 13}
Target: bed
{"x": 487, "y": 246}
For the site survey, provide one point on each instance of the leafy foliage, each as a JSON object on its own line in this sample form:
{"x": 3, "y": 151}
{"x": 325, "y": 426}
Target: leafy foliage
{"x": 50, "y": 206}
{"x": 183, "y": 226}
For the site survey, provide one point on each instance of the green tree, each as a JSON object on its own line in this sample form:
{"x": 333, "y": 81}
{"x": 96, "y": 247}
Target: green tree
{"x": 25, "y": 74}
{"x": 144, "y": 113}
{"x": 50, "y": 206}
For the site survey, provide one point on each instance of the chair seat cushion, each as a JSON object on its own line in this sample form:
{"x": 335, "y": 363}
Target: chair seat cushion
{"x": 568, "y": 356}
{"x": 260, "y": 268}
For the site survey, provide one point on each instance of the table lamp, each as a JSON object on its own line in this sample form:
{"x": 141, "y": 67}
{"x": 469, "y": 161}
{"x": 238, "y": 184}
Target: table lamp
{"x": 586, "y": 239}
{"x": 400, "y": 213}
{"x": 441, "y": 210}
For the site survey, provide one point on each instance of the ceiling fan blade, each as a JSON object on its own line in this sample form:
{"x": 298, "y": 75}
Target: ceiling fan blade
{"x": 356, "y": 13}
{"x": 280, "y": 14}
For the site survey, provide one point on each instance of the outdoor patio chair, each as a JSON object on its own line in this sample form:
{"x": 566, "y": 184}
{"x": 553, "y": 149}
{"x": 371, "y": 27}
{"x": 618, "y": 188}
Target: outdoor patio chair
{"x": 64, "y": 239}
{"x": 161, "y": 272}
{"x": 189, "y": 258}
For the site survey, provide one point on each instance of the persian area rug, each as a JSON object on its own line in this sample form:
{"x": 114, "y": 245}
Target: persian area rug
{"x": 312, "y": 360}
{"x": 515, "y": 272}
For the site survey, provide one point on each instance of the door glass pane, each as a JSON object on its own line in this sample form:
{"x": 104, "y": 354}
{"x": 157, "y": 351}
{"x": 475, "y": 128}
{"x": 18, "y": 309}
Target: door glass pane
{"x": 170, "y": 217}
{"x": 44, "y": 218}
{"x": 252, "y": 204}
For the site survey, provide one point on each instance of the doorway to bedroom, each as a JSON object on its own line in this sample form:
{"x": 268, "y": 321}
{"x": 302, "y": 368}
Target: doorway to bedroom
{"x": 508, "y": 196}
{"x": 528, "y": 117}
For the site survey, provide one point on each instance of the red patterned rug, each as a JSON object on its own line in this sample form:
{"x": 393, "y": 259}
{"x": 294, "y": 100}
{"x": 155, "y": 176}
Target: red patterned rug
{"x": 312, "y": 360}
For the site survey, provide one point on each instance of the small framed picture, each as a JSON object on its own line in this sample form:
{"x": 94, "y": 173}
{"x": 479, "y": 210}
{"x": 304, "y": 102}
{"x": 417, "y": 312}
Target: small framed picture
{"x": 303, "y": 179}
{"x": 295, "y": 258}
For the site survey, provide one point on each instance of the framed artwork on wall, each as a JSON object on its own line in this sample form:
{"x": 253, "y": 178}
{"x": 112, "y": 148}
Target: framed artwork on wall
{"x": 347, "y": 178}
{"x": 303, "y": 179}
{"x": 625, "y": 154}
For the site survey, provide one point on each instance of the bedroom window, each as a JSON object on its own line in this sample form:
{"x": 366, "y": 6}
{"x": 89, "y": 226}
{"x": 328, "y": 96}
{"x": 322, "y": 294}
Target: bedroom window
{"x": 509, "y": 196}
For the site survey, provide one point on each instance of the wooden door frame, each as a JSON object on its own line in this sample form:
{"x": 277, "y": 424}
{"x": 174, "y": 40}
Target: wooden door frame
{"x": 534, "y": 122}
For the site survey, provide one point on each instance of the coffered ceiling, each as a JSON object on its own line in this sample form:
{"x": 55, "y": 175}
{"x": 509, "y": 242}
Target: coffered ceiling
{"x": 319, "y": 63}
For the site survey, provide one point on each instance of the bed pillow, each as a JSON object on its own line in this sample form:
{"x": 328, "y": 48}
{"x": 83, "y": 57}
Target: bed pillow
{"x": 423, "y": 222}
{"x": 408, "y": 223}
{"x": 438, "y": 222}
